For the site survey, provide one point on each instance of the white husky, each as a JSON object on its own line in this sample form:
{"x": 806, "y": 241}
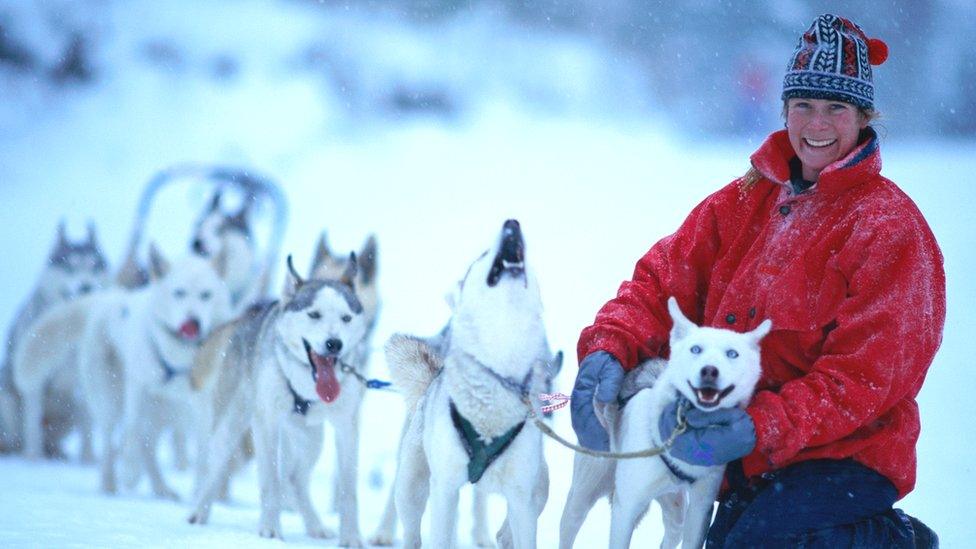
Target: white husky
{"x": 136, "y": 354}
{"x": 73, "y": 270}
{"x": 467, "y": 420}
{"x": 282, "y": 371}
{"x": 712, "y": 368}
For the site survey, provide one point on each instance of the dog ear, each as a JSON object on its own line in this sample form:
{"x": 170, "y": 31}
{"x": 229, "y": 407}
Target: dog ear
{"x": 158, "y": 266}
{"x": 349, "y": 275}
{"x": 760, "y": 331}
{"x": 681, "y": 325}
{"x": 322, "y": 253}
{"x": 214, "y": 202}
{"x": 367, "y": 259}
{"x": 293, "y": 281}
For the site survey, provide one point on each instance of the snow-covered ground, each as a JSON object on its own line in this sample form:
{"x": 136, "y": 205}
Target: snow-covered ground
{"x": 592, "y": 190}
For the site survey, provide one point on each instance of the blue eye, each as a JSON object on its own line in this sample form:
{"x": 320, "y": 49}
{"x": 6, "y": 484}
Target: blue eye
{"x": 696, "y": 350}
{"x": 732, "y": 353}
{"x": 314, "y": 315}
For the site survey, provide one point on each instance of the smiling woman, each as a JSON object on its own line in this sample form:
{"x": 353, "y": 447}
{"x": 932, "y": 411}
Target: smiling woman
{"x": 815, "y": 239}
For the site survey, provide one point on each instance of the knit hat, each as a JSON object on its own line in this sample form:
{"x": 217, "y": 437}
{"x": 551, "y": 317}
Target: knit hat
{"x": 833, "y": 61}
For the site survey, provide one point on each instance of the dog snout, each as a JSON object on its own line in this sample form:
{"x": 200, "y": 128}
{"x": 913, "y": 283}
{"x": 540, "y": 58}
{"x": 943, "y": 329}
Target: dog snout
{"x": 333, "y": 345}
{"x": 709, "y": 374}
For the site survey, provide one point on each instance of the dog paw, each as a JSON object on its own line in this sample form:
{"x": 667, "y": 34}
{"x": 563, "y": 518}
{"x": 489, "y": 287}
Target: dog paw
{"x": 198, "y": 517}
{"x": 381, "y": 539}
{"x": 320, "y": 532}
{"x": 165, "y": 492}
{"x": 270, "y": 532}
{"x": 351, "y": 541}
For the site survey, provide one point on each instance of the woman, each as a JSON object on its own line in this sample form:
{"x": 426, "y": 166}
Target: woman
{"x": 842, "y": 261}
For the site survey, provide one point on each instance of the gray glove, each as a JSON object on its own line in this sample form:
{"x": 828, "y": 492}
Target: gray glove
{"x": 713, "y": 438}
{"x": 600, "y": 375}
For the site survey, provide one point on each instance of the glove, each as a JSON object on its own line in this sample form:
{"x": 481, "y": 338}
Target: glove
{"x": 712, "y": 438}
{"x": 600, "y": 375}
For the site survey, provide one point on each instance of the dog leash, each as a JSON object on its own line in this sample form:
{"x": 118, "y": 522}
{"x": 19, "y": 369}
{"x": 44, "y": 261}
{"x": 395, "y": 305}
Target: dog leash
{"x": 368, "y": 383}
{"x": 681, "y": 427}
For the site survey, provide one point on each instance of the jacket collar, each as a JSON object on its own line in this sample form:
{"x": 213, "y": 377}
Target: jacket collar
{"x": 772, "y": 159}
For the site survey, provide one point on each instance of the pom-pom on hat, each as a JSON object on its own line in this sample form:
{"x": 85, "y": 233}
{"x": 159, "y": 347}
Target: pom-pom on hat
{"x": 833, "y": 60}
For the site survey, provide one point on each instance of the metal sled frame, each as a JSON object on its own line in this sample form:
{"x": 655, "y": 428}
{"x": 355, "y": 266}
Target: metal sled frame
{"x": 254, "y": 188}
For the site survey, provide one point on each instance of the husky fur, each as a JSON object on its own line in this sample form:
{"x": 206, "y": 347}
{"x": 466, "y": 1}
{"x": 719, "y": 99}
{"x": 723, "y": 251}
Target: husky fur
{"x": 73, "y": 269}
{"x": 403, "y": 353}
{"x": 135, "y": 358}
{"x": 497, "y": 343}
{"x": 280, "y": 374}
{"x": 686, "y": 505}
{"x": 219, "y": 233}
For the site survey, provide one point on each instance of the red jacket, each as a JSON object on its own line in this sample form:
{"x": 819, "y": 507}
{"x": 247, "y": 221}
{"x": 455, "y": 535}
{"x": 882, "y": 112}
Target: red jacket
{"x": 852, "y": 278}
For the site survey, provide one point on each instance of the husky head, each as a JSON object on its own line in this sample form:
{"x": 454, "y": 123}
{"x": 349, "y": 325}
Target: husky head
{"x": 74, "y": 268}
{"x": 322, "y": 322}
{"x": 217, "y": 232}
{"x": 712, "y": 367}
{"x": 497, "y": 306}
{"x": 328, "y": 266}
{"x": 189, "y": 298}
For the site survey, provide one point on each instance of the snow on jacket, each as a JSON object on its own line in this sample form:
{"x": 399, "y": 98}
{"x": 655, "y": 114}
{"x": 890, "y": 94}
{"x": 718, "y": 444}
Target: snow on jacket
{"x": 853, "y": 280}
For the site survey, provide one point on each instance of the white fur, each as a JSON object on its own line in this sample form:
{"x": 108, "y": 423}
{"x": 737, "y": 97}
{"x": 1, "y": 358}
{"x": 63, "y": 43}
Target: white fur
{"x": 499, "y": 328}
{"x": 123, "y": 379}
{"x": 686, "y": 508}
{"x": 263, "y": 356}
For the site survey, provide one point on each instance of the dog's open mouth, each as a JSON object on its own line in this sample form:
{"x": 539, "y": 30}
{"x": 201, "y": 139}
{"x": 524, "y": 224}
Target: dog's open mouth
{"x": 510, "y": 259}
{"x": 323, "y": 373}
{"x": 709, "y": 396}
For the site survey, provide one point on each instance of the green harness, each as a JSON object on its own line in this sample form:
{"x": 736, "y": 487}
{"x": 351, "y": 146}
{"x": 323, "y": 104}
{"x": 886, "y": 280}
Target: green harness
{"x": 480, "y": 455}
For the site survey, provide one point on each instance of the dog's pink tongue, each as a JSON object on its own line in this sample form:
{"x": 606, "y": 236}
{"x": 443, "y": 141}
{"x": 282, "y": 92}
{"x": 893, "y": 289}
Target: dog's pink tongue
{"x": 190, "y": 329}
{"x": 326, "y": 384}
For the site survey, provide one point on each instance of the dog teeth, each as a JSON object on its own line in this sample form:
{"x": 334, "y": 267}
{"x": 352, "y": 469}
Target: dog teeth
{"x": 509, "y": 265}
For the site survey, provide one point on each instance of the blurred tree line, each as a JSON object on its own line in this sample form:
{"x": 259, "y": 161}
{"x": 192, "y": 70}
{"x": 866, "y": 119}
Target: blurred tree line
{"x": 713, "y": 67}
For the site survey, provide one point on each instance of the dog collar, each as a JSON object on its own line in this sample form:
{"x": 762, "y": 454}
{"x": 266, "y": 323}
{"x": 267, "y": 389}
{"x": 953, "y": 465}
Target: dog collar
{"x": 676, "y": 471}
{"x": 480, "y": 454}
{"x": 300, "y": 405}
{"x": 521, "y": 389}
{"x": 169, "y": 371}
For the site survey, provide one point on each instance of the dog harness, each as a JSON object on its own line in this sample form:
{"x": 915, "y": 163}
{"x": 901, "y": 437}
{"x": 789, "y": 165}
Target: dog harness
{"x": 480, "y": 454}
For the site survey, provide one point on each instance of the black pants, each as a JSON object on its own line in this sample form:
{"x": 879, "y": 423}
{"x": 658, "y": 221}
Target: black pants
{"x": 813, "y": 504}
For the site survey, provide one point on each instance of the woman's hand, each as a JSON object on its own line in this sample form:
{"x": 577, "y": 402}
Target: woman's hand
{"x": 713, "y": 438}
{"x": 600, "y": 375}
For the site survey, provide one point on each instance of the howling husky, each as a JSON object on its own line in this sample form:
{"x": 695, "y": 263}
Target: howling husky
{"x": 711, "y": 368}
{"x": 467, "y": 419}
{"x": 73, "y": 269}
{"x": 281, "y": 371}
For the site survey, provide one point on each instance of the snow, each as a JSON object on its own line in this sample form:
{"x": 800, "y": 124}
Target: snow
{"x": 592, "y": 190}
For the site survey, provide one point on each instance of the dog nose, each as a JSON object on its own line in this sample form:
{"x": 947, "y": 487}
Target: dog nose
{"x": 198, "y": 247}
{"x": 709, "y": 374}
{"x": 84, "y": 288}
{"x": 333, "y": 345}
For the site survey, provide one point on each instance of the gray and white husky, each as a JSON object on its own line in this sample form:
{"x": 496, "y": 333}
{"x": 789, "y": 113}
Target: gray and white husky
{"x": 73, "y": 269}
{"x": 217, "y": 232}
{"x": 712, "y": 368}
{"x": 135, "y": 358}
{"x": 467, "y": 419}
{"x": 282, "y": 370}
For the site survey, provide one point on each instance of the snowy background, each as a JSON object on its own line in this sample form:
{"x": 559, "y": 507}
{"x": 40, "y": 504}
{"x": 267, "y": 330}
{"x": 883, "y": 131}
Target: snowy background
{"x": 429, "y": 127}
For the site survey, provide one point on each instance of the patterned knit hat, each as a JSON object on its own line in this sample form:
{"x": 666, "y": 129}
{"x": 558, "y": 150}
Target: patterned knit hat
{"x": 833, "y": 61}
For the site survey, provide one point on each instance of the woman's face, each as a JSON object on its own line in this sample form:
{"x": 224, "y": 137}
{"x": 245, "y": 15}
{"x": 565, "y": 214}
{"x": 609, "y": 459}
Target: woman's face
{"x": 822, "y": 131}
